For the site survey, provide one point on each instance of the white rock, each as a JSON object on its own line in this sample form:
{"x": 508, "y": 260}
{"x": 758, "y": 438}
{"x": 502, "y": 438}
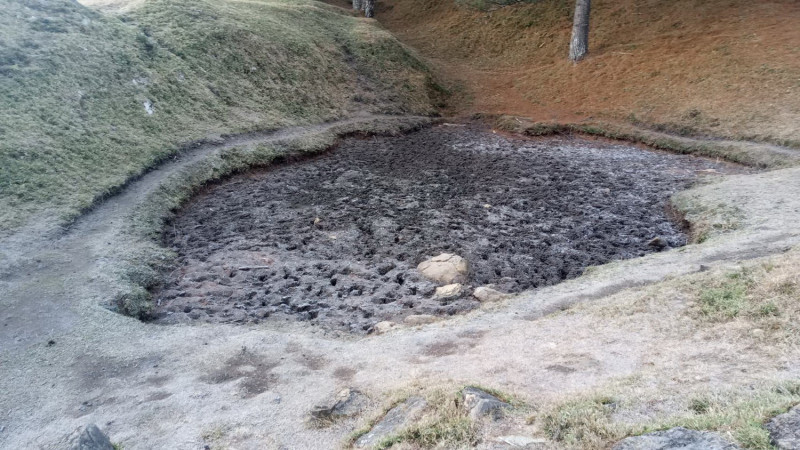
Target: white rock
{"x": 448, "y": 291}
{"x": 383, "y": 327}
{"x": 487, "y": 294}
{"x": 446, "y": 268}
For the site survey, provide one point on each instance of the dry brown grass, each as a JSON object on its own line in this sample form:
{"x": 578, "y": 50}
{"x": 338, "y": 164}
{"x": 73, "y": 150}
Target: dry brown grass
{"x": 725, "y": 68}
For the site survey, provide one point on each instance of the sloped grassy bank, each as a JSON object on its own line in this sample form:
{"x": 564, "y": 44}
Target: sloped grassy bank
{"x": 90, "y": 101}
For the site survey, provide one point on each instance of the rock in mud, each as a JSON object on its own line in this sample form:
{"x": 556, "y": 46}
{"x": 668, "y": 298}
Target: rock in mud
{"x": 784, "y": 430}
{"x": 93, "y": 439}
{"x": 479, "y": 403}
{"x": 676, "y": 438}
{"x": 446, "y": 268}
{"x": 383, "y": 327}
{"x": 489, "y": 294}
{"x": 347, "y": 403}
{"x": 420, "y": 319}
{"x": 658, "y": 243}
{"x": 449, "y": 291}
{"x": 399, "y": 417}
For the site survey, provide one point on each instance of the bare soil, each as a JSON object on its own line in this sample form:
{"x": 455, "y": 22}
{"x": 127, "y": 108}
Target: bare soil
{"x": 719, "y": 68}
{"x": 336, "y": 240}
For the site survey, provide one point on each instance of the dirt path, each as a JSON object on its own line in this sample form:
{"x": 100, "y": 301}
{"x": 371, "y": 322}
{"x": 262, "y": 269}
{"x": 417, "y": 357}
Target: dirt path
{"x": 67, "y": 361}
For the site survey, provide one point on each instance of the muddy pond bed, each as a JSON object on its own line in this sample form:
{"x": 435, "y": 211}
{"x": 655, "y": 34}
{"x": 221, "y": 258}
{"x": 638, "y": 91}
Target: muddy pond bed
{"x": 335, "y": 240}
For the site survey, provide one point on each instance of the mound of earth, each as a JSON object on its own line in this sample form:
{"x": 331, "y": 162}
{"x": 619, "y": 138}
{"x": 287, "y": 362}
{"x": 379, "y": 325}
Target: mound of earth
{"x": 336, "y": 240}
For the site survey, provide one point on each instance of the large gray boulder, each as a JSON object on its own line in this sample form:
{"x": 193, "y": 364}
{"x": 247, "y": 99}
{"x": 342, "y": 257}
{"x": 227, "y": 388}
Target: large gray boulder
{"x": 784, "y": 430}
{"x": 93, "y": 439}
{"x": 674, "y": 439}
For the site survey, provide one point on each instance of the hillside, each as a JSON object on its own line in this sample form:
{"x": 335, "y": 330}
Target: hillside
{"x": 91, "y": 99}
{"x": 720, "y": 68}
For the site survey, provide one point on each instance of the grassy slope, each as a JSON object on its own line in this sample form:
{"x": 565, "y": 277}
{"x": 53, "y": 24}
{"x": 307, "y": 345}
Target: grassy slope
{"x": 74, "y": 83}
{"x": 719, "y": 67}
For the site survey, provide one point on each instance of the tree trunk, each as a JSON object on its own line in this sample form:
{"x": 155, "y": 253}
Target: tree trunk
{"x": 579, "y": 44}
{"x": 369, "y": 8}
{"x": 357, "y": 4}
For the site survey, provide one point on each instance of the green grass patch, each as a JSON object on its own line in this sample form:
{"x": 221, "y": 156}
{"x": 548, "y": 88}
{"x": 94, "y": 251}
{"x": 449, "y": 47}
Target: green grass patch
{"x": 92, "y": 100}
{"x": 587, "y": 421}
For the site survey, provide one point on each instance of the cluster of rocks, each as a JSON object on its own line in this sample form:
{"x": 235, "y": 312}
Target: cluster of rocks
{"x": 450, "y": 272}
{"x": 476, "y": 403}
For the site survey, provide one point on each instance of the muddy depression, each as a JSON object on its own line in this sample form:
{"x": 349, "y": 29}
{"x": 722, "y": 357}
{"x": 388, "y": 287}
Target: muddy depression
{"x": 336, "y": 240}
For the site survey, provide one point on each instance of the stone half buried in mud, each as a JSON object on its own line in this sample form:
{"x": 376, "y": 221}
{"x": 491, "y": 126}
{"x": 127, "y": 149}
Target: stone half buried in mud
{"x": 449, "y": 291}
{"x": 489, "y": 294}
{"x": 446, "y": 268}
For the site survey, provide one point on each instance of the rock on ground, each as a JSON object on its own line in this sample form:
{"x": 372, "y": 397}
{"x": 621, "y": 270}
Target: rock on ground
{"x": 420, "y": 319}
{"x": 446, "y": 268}
{"x": 395, "y": 420}
{"x": 384, "y": 327}
{"x": 676, "y": 438}
{"x": 479, "y": 403}
{"x": 488, "y": 294}
{"x": 93, "y": 439}
{"x": 449, "y": 291}
{"x": 347, "y": 403}
{"x": 784, "y": 430}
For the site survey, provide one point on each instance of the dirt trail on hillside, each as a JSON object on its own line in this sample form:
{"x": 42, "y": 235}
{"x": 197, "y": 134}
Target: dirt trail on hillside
{"x": 67, "y": 361}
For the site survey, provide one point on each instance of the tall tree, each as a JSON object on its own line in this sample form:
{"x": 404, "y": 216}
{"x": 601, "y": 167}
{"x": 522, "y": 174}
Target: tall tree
{"x": 357, "y": 5}
{"x": 369, "y": 8}
{"x": 579, "y": 44}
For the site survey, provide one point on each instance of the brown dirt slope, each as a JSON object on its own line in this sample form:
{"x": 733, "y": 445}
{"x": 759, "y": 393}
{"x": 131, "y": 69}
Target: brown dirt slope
{"x": 721, "y": 67}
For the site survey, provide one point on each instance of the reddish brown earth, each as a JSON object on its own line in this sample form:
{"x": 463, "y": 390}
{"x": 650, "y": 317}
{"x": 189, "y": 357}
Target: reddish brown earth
{"x": 720, "y": 68}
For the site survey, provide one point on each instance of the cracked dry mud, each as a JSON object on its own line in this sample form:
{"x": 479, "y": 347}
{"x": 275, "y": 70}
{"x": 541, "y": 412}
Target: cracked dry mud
{"x": 335, "y": 240}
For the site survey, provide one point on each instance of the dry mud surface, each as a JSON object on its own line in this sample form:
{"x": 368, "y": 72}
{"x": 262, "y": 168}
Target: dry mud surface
{"x": 335, "y": 240}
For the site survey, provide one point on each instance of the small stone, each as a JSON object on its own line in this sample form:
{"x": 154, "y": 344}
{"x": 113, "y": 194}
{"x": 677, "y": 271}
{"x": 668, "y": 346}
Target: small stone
{"x": 488, "y": 294}
{"x": 446, "y": 268}
{"x": 676, "y": 438}
{"x": 658, "y": 243}
{"x": 347, "y": 403}
{"x": 93, "y": 439}
{"x": 757, "y": 332}
{"x": 448, "y": 291}
{"x": 385, "y": 268}
{"x": 480, "y": 403}
{"x": 784, "y": 430}
{"x": 383, "y": 327}
{"x": 399, "y": 417}
{"x": 420, "y": 319}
